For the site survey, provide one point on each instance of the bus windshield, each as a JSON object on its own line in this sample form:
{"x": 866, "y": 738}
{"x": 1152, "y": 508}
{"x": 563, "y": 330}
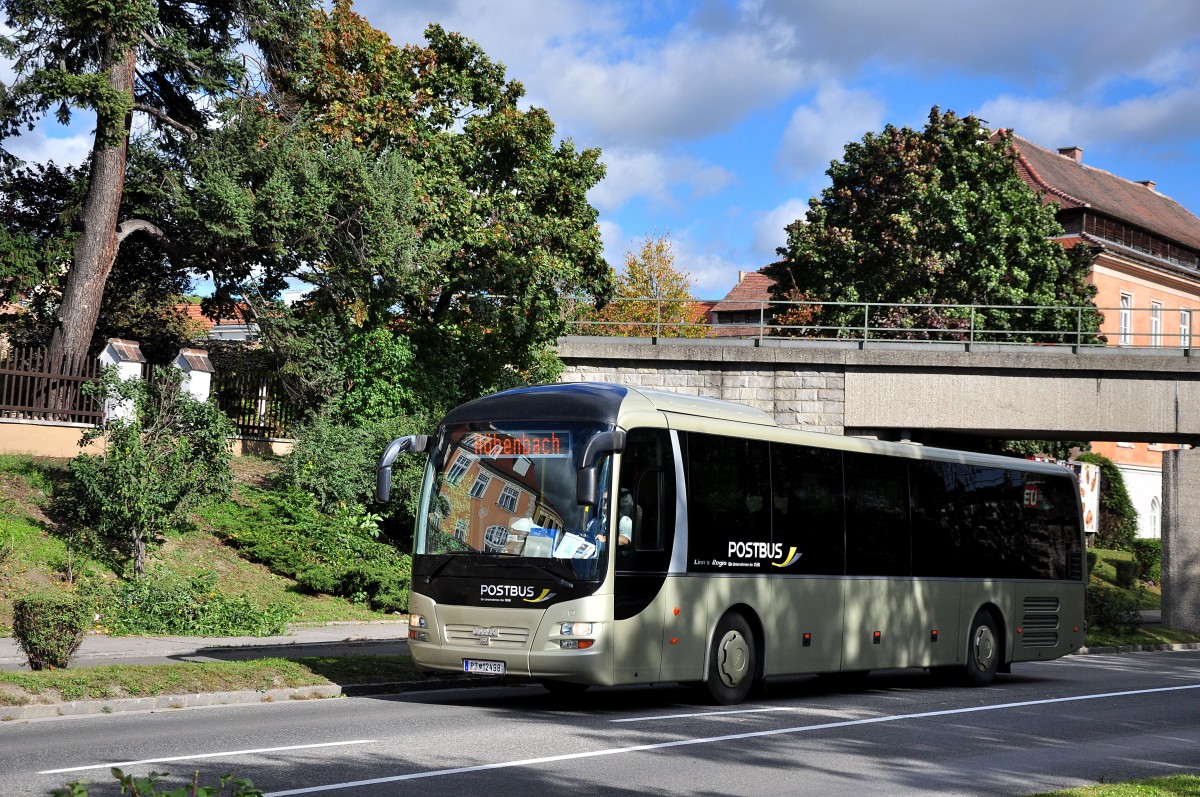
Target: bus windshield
{"x": 510, "y": 490}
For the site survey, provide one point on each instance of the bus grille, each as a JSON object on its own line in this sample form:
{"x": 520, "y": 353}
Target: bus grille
{"x": 1040, "y": 623}
{"x": 495, "y": 636}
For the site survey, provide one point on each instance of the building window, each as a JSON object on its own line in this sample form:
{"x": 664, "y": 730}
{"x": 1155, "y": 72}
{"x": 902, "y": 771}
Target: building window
{"x": 1155, "y": 514}
{"x": 508, "y": 498}
{"x": 495, "y": 538}
{"x": 480, "y": 485}
{"x": 1185, "y": 328}
{"x": 459, "y": 467}
{"x": 460, "y": 530}
{"x": 1155, "y": 323}
{"x": 1126, "y": 330}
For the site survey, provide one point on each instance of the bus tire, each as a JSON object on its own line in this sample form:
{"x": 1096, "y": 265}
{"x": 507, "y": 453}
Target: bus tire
{"x": 731, "y": 661}
{"x": 984, "y": 650}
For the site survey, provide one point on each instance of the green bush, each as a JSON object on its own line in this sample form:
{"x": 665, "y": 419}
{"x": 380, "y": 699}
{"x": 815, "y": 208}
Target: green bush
{"x": 1126, "y": 572}
{"x": 1112, "y": 610}
{"x": 164, "y": 603}
{"x": 339, "y": 555}
{"x": 50, "y": 628}
{"x": 1092, "y": 557}
{"x": 149, "y": 787}
{"x": 173, "y": 450}
{"x": 1148, "y": 554}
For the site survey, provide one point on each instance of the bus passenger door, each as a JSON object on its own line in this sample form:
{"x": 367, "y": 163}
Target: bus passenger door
{"x": 644, "y": 530}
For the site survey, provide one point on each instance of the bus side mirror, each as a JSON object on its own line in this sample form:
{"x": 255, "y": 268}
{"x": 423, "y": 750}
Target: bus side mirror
{"x": 586, "y": 478}
{"x": 586, "y": 484}
{"x": 414, "y": 443}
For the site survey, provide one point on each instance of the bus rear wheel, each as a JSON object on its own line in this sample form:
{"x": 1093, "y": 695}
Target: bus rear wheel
{"x": 983, "y": 650}
{"x": 731, "y": 661}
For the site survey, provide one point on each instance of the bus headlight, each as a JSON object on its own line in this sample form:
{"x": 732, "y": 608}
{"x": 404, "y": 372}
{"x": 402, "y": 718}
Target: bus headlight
{"x": 575, "y": 629}
{"x": 417, "y": 628}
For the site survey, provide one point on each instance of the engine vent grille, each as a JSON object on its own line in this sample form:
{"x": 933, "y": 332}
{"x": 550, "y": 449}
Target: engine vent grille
{"x": 1039, "y": 626}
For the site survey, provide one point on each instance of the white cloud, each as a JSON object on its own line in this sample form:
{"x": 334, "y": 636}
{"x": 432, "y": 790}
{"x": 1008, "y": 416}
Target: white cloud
{"x": 1159, "y": 120}
{"x": 37, "y": 146}
{"x": 655, "y": 177}
{"x": 818, "y": 132}
{"x": 769, "y": 232}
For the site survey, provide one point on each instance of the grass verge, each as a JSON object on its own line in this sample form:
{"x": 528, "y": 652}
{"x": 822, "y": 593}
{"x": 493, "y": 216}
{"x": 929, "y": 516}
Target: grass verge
{"x": 110, "y": 682}
{"x": 1172, "y": 786}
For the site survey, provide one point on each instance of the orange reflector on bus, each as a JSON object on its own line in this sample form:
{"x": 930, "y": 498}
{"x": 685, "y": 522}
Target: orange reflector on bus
{"x": 876, "y": 638}
{"x": 674, "y": 640}
{"x": 933, "y": 635}
{"x": 676, "y": 611}
{"x": 807, "y": 640}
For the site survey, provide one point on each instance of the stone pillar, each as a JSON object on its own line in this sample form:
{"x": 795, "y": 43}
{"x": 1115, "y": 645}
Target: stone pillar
{"x": 1181, "y": 540}
{"x": 197, "y": 372}
{"x": 126, "y": 356}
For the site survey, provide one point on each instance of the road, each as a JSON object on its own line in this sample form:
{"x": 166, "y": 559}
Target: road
{"x": 1046, "y": 726}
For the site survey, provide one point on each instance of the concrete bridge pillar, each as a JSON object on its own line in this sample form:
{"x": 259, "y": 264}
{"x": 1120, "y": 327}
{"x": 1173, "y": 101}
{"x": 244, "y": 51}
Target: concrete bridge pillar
{"x": 1181, "y": 539}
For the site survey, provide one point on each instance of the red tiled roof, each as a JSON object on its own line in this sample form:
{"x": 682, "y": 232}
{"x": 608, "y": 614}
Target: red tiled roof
{"x": 752, "y": 290}
{"x": 195, "y": 314}
{"x": 1076, "y": 185}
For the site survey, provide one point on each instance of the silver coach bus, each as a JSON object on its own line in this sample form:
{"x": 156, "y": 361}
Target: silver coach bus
{"x": 598, "y": 534}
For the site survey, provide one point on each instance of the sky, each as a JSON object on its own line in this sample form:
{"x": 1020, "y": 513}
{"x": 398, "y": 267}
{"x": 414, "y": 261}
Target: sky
{"x": 718, "y": 119}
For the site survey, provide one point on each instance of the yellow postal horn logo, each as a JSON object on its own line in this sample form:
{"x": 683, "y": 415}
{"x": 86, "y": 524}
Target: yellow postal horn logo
{"x": 547, "y": 595}
{"x": 792, "y": 556}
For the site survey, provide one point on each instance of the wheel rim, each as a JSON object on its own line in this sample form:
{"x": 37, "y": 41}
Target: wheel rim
{"x": 984, "y": 645}
{"x": 733, "y": 659}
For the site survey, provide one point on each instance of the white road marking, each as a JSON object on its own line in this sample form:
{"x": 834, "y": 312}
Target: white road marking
{"x": 204, "y": 755}
{"x": 641, "y": 748}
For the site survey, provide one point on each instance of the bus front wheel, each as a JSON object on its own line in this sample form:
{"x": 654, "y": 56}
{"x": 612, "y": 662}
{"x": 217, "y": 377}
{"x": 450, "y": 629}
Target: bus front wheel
{"x": 731, "y": 661}
{"x": 983, "y": 650}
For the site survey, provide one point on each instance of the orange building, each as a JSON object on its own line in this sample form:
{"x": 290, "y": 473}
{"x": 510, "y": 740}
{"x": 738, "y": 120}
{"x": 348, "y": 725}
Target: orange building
{"x": 1146, "y": 273}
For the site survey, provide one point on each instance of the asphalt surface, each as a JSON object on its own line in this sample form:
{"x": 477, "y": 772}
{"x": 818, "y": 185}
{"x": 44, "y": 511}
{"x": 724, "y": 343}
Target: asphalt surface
{"x": 382, "y": 638}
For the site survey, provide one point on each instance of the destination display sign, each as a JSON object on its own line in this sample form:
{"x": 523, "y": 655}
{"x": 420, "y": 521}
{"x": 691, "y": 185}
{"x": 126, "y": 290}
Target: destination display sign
{"x": 510, "y": 445}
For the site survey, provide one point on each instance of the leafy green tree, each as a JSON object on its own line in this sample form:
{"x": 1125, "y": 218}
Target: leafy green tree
{"x": 652, "y": 298}
{"x": 118, "y": 57}
{"x": 503, "y": 224}
{"x": 937, "y": 216}
{"x": 39, "y": 206}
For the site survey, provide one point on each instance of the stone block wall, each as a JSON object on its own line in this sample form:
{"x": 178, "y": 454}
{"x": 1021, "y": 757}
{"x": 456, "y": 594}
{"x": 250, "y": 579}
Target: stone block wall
{"x": 812, "y": 400}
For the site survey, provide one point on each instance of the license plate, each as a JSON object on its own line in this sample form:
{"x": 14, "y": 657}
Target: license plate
{"x": 479, "y": 667}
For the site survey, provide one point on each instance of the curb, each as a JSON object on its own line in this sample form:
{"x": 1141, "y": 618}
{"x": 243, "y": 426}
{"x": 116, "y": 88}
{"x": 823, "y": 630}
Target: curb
{"x": 83, "y": 708}
{"x": 1159, "y": 647}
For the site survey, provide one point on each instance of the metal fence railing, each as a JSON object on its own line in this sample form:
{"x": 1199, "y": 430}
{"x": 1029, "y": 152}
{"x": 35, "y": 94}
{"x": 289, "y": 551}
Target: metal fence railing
{"x": 1083, "y": 327}
{"x": 255, "y": 400}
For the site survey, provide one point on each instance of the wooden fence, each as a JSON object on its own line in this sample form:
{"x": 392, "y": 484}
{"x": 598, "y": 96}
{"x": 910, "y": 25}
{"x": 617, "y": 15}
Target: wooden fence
{"x": 34, "y": 388}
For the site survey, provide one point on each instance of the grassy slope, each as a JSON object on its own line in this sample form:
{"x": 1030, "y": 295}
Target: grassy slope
{"x": 34, "y": 555}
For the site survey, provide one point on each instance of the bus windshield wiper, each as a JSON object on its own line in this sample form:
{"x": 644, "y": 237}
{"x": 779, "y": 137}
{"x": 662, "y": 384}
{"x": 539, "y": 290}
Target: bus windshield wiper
{"x": 562, "y": 582}
{"x": 438, "y": 568}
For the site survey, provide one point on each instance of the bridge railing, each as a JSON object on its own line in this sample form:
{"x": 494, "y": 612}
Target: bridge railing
{"x": 1127, "y": 327}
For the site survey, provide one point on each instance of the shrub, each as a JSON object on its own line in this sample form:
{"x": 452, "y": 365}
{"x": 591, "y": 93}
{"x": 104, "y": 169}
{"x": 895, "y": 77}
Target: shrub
{"x": 1112, "y": 610}
{"x": 1091, "y": 562}
{"x": 163, "y": 603}
{"x": 50, "y": 628}
{"x": 1127, "y": 573}
{"x": 1148, "y": 554}
{"x": 148, "y": 786}
{"x": 173, "y": 450}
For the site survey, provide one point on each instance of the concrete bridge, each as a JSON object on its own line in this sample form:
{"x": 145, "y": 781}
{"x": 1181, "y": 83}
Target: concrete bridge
{"x": 937, "y": 393}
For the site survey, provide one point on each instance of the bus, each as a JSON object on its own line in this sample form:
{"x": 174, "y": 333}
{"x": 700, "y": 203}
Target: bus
{"x": 598, "y": 534}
